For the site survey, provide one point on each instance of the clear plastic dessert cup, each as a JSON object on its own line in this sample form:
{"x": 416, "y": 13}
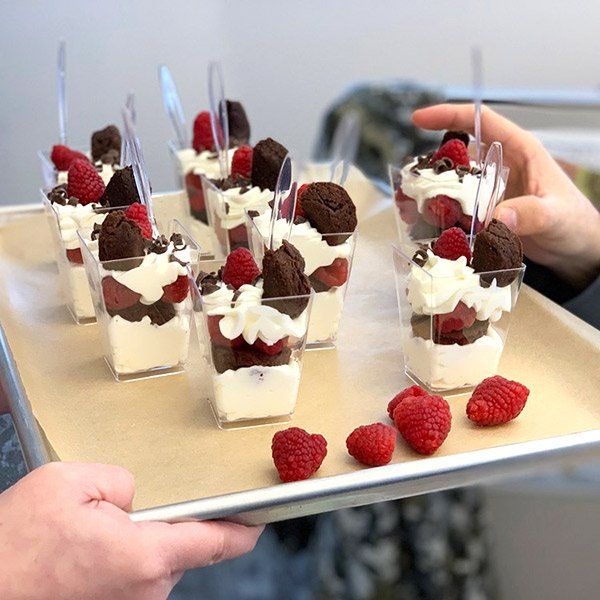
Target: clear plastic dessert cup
{"x": 328, "y": 265}
{"x": 189, "y": 167}
{"x": 426, "y": 203}
{"x": 143, "y": 307}
{"x": 253, "y": 379}
{"x": 227, "y": 210}
{"x": 64, "y": 223}
{"x": 453, "y": 327}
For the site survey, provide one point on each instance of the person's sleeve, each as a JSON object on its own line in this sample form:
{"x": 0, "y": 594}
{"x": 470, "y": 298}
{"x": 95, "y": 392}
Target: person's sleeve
{"x": 587, "y": 304}
{"x": 584, "y": 304}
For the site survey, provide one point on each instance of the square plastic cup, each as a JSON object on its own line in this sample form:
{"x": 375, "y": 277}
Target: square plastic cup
{"x": 227, "y": 210}
{"x": 73, "y": 279}
{"x": 246, "y": 385}
{"x": 328, "y": 265}
{"x": 426, "y": 203}
{"x": 143, "y": 339}
{"x": 453, "y": 329}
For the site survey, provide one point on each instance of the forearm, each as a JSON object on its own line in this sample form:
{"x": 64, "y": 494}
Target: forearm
{"x": 3, "y": 402}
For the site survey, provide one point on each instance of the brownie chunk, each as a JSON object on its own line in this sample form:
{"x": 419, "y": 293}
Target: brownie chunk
{"x": 267, "y": 159}
{"x": 283, "y": 275}
{"x": 239, "y": 126}
{"x": 120, "y": 238}
{"x": 329, "y": 209}
{"x": 121, "y": 190}
{"x": 226, "y": 358}
{"x": 105, "y": 140}
{"x": 160, "y": 312}
{"x": 497, "y": 248}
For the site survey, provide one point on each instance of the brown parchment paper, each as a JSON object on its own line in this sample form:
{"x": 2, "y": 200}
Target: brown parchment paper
{"x": 164, "y": 432}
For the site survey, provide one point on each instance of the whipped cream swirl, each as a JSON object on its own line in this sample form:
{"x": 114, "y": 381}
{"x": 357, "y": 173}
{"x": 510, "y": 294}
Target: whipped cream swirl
{"x": 73, "y": 218}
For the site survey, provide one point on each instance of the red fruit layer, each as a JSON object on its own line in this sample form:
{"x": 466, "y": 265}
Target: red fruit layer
{"x": 462, "y": 316}
{"x": 177, "y": 291}
{"x": 442, "y": 211}
{"x": 116, "y": 295}
{"x": 335, "y": 275}
{"x": 74, "y": 256}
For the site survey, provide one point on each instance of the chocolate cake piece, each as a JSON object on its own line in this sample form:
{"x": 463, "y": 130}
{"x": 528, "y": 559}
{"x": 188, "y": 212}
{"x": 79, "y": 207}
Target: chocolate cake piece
{"x": 105, "y": 140}
{"x": 267, "y": 159}
{"x": 112, "y": 157}
{"x": 121, "y": 190}
{"x": 226, "y": 358}
{"x": 497, "y": 248}
{"x": 161, "y": 312}
{"x": 120, "y": 238}
{"x": 329, "y": 209}
{"x": 463, "y": 136}
{"x": 239, "y": 126}
{"x": 283, "y": 275}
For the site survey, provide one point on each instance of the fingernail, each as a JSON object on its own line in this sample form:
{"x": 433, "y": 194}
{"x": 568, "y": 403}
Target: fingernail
{"x": 508, "y": 216}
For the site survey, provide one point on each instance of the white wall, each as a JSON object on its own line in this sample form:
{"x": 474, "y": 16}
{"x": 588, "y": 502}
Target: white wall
{"x": 286, "y": 60}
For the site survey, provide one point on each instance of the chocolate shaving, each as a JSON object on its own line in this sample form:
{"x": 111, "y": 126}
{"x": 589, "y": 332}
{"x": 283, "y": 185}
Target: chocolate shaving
{"x": 442, "y": 165}
{"x": 73, "y": 201}
{"x": 207, "y": 282}
{"x": 96, "y": 231}
{"x": 158, "y": 245}
{"x": 178, "y": 241}
{"x": 58, "y": 194}
{"x": 420, "y": 257}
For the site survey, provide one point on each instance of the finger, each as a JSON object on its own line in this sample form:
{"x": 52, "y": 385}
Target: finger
{"x": 461, "y": 116}
{"x": 527, "y": 215}
{"x": 191, "y": 545}
{"x": 110, "y": 483}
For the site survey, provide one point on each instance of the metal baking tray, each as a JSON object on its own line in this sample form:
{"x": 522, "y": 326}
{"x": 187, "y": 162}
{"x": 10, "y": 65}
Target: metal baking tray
{"x": 66, "y": 406}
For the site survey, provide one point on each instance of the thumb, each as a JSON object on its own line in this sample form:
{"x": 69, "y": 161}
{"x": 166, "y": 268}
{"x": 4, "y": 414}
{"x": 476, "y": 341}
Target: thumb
{"x": 190, "y": 545}
{"x": 526, "y": 215}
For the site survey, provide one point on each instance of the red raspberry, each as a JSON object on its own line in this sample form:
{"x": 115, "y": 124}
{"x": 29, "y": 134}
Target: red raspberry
{"x": 177, "y": 291}
{"x": 218, "y": 338}
{"x": 452, "y": 244}
{"x": 240, "y": 268}
{"x": 454, "y": 149}
{"x": 442, "y": 211}
{"x": 462, "y": 316}
{"x": 84, "y": 182}
{"x": 63, "y": 156}
{"x": 299, "y": 212}
{"x": 203, "y": 137}
{"x": 297, "y": 454}
{"x": 496, "y": 400}
{"x": 413, "y": 390}
{"x": 74, "y": 256}
{"x": 372, "y": 445}
{"x": 116, "y": 295}
{"x": 138, "y": 213}
{"x": 424, "y": 422}
{"x": 465, "y": 222}
{"x": 271, "y": 350}
{"x": 335, "y": 274}
{"x": 407, "y": 206}
{"x": 241, "y": 163}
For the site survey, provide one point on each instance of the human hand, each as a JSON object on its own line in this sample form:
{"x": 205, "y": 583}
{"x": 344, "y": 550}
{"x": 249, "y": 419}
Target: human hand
{"x": 559, "y": 226}
{"x": 65, "y": 533}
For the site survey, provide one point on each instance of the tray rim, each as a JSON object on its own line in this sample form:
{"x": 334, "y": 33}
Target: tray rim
{"x": 285, "y": 501}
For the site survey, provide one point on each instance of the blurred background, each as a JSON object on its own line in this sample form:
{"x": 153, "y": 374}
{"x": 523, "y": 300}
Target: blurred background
{"x": 289, "y": 63}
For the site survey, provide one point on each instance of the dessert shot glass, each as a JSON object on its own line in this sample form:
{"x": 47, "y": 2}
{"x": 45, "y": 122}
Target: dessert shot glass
{"x": 251, "y": 384}
{"x": 144, "y": 307}
{"x": 453, "y": 328}
{"x": 227, "y": 213}
{"x": 427, "y": 203}
{"x": 64, "y": 223}
{"x": 328, "y": 265}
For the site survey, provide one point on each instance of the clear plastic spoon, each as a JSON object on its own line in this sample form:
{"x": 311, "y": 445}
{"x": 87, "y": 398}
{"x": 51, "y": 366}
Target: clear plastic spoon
{"x": 286, "y": 188}
{"x": 139, "y": 167}
{"x": 344, "y": 146}
{"x": 61, "y": 80}
{"x": 477, "y": 68}
{"x": 126, "y": 157}
{"x": 172, "y": 105}
{"x": 218, "y": 115}
{"x": 491, "y": 171}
